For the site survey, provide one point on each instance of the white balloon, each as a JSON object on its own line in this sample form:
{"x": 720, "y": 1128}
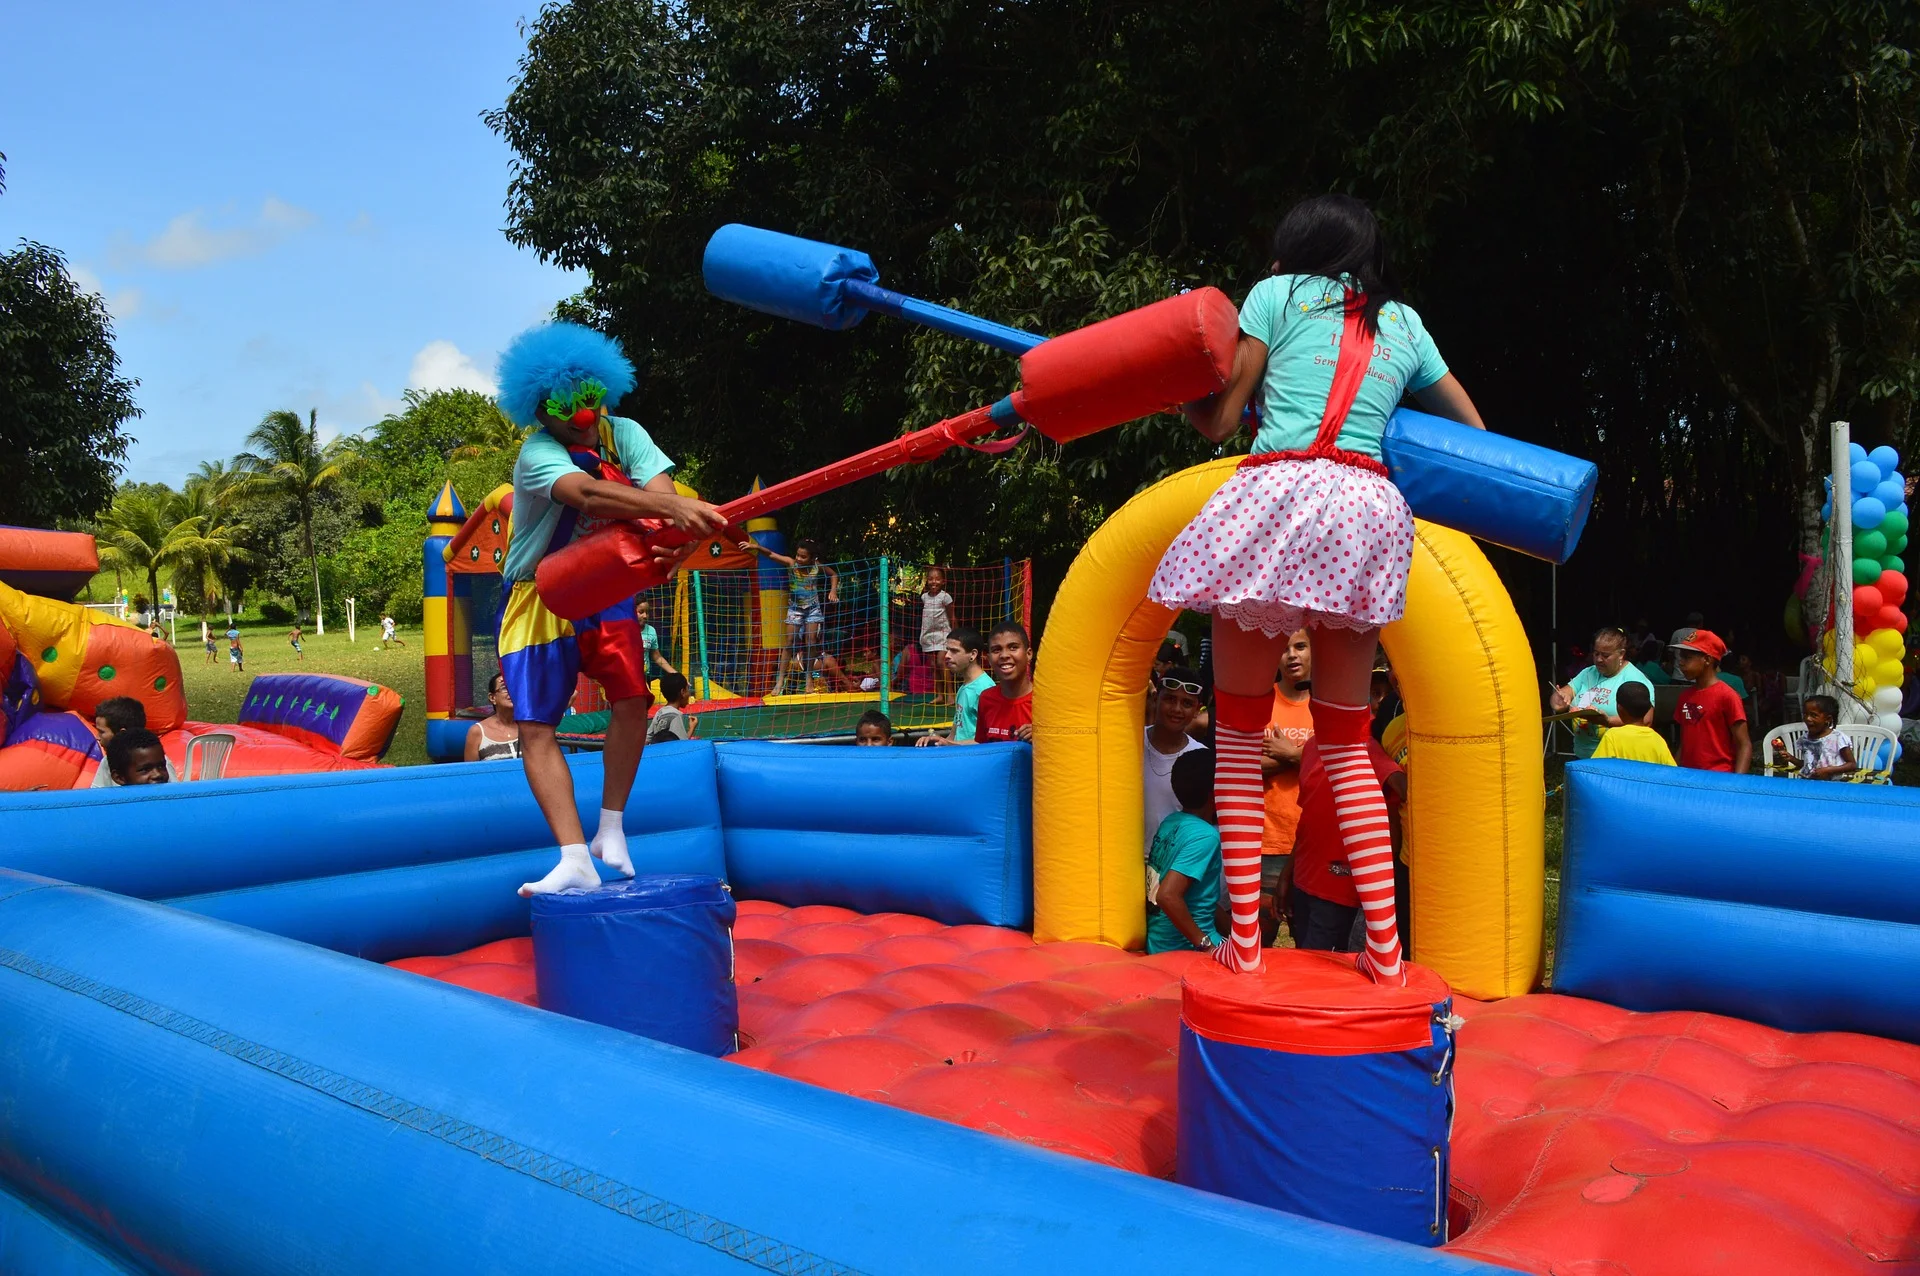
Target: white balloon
{"x": 1886, "y": 700}
{"x": 1891, "y": 721}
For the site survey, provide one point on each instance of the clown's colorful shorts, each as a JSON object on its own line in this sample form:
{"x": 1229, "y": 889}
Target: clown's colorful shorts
{"x": 541, "y": 654}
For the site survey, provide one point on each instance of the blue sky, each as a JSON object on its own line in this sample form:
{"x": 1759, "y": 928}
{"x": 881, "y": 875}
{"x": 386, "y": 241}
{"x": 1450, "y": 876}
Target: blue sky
{"x": 284, "y": 206}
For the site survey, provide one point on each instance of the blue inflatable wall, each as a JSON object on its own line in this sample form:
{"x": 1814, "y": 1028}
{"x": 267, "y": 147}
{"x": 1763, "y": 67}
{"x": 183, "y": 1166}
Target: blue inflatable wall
{"x": 417, "y": 861}
{"x": 944, "y": 833}
{"x": 1788, "y": 902}
{"x": 223, "y": 835}
{"x": 217, "y": 1100}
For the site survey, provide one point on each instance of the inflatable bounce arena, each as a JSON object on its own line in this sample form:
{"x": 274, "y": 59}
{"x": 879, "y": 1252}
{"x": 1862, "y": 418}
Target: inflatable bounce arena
{"x": 886, "y": 1010}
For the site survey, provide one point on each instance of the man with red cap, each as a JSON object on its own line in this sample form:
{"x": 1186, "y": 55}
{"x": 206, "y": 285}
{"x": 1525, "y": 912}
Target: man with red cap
{"x": 1712, "y": 717}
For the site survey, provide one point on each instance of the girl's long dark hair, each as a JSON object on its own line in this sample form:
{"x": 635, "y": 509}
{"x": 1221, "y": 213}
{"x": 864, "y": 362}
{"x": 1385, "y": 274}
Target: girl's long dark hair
{"x": 1335, "y": 235}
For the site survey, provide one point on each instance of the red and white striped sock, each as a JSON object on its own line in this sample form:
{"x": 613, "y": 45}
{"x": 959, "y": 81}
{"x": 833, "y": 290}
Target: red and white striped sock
{"x": 1360, "y": 812}
{"x": 1240, "y": 809}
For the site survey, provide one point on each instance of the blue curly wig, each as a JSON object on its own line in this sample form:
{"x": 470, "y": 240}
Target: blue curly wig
{"x": 552, "y": 360}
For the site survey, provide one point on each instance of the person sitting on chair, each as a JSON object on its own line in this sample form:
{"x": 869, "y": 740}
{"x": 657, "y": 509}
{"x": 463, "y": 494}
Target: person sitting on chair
{"x": 1826, "y": 753}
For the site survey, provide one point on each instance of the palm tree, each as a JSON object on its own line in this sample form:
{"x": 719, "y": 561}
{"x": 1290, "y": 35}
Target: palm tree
{"x": 492, "y": 432}
{"x": 145, "y": 531}
{"x": 287, "y": 458}
{"x": 213, "y": 495}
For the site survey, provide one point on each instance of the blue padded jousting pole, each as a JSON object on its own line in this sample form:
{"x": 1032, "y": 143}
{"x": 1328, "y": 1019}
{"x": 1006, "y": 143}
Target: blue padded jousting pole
{"x": 829, "y": 287}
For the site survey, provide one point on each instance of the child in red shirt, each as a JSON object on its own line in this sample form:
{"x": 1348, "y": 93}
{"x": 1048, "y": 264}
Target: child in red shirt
{"x": 1712, "y": 717}
{"x": 1325, "y": 894}
{"x": 1006, "y": 708}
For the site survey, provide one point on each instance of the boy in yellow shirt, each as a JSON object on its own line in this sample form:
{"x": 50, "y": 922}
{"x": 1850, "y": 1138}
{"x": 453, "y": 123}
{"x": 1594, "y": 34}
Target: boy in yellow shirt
{"x": 1634, "y": 739}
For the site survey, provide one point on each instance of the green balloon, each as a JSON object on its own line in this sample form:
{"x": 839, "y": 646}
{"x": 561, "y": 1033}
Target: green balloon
{"x": 1871, "y": 544}
{"x": 1894, "y": 524}
{"x": 1896, "y": 564}
{"x": 1898, "y": 545}
{"x": 1866, "y": 571}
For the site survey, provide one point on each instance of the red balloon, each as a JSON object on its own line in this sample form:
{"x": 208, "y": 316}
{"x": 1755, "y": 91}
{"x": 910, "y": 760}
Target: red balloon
{"x": 1889, "y": 618}
{"x": 1892, "y": 586}
{"x": 1867, "y": 600}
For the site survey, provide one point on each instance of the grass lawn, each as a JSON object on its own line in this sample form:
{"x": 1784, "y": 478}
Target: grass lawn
{"x": 214, "y": 692}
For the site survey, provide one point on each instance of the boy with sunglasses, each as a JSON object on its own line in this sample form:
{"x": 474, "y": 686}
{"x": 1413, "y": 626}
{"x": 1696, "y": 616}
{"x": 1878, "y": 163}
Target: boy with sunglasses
{"x": 1180, "y": 697}
{"x": 579, "y": 469}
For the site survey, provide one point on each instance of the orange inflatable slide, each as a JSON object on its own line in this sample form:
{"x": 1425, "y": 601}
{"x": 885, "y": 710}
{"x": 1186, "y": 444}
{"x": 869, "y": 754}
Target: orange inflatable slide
{"x": 61, "y": 660}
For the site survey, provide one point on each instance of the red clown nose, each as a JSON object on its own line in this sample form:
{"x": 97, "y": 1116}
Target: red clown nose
{"x": 584, "y": 416}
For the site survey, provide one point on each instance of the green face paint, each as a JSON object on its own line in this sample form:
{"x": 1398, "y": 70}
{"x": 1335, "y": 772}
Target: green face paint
{"x": 588, "y": 396}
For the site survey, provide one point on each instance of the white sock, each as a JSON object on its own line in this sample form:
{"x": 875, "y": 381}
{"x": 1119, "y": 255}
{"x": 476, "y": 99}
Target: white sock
{"x": 610, "y": 843}
{"x": 574, "y": 869}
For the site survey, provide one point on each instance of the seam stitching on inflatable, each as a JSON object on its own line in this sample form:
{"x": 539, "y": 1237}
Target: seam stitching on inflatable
{"x": 737, "y": 1242}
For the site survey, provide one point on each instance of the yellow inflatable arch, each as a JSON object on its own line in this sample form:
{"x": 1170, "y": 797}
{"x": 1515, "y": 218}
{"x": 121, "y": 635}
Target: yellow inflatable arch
{"x": 1476, "y": 813}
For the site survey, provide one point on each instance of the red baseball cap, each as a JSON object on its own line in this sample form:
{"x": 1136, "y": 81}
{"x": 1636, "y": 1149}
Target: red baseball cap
{"x": 1704, "y": 641}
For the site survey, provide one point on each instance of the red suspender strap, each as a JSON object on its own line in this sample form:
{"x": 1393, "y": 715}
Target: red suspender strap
{"x": 1356, "y": 355}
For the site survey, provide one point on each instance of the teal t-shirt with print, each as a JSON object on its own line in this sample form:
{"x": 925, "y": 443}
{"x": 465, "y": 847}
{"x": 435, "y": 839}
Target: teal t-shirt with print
{"x": 1591, "y": 691}
{"x": 1185, "y": 844}
{"x": 1300, "y": 318}
{"x": 543, "y": 461}
{"x": 966, "y": 706}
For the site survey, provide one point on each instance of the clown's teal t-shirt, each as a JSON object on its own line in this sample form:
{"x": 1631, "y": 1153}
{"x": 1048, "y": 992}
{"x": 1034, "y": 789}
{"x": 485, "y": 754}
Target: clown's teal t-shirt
{"x": 1300, "y": 318}
{"x": 543, "y": 461}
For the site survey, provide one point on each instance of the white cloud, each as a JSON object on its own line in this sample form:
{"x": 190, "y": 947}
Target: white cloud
{"x": 192, "y": 240}
{"x": 122, "y": 305}
{"x": 440, "y": 365}
{"x": 350, "y": 412}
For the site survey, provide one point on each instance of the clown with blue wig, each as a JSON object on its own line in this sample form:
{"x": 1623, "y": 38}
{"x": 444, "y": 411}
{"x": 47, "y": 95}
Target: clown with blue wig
{"x": 579, "y": 469}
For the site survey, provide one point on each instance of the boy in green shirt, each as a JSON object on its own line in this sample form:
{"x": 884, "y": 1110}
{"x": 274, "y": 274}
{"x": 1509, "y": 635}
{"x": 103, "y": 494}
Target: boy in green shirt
{"x": 1183, "y": 866}
{"x": 964, "y": 648}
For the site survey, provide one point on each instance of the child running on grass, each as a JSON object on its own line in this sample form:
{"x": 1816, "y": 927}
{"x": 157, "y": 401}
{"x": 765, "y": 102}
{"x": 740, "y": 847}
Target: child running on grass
{"x": 235, "y": 656}
{"x": 293, "y": 640}
{"x": 1183, "y": 864}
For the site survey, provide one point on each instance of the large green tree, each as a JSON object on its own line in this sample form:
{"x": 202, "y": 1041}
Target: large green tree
{"x": 1675, "y": 238}
{"x": 148, "y": 530}
{"x": 1754, "y": 166}
{"x": 286, "y": 459}
{"x": 63, "y": 402}
{"x": 216, "y": 495}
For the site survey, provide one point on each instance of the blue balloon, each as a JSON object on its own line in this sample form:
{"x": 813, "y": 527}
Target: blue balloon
{"x": 1864, "y": 476}
{"x": 1901, "y": 510}
{"x": 1826, "y": 511}
{"x": 1884, "y": 457}
{"x": 1890, "y": 493}
{"x": 1867, "y": 513}
{"x": 1856, "y": 453}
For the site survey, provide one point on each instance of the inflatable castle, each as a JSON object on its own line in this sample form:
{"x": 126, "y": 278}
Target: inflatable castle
{"x": 62, "y": 659}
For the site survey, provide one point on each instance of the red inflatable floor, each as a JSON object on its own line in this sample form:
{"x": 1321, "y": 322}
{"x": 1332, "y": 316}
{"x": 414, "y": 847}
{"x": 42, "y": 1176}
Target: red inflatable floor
{"x": 1588, "y": 1141}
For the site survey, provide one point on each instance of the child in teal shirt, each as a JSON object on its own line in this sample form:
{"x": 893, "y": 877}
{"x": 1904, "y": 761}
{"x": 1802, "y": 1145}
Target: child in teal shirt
{"x": 1183, "y": 866}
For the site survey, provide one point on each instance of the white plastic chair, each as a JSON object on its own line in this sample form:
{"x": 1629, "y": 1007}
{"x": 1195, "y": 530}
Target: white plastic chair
{"x": 1873, "y": 751}
{"x": 211, "y": 750}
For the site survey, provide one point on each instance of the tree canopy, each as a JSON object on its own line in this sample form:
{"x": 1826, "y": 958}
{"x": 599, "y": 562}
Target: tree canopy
{"x": 1675, "y": 238}
{"x": 63, "y": 402}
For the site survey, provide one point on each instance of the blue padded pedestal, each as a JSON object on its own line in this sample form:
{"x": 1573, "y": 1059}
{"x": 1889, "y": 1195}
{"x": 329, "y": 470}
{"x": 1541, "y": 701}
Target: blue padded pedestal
{"x": 651, "y": 956}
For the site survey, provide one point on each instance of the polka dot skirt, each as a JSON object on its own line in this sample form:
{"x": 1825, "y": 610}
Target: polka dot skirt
{"x": 1293, "y": 543}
